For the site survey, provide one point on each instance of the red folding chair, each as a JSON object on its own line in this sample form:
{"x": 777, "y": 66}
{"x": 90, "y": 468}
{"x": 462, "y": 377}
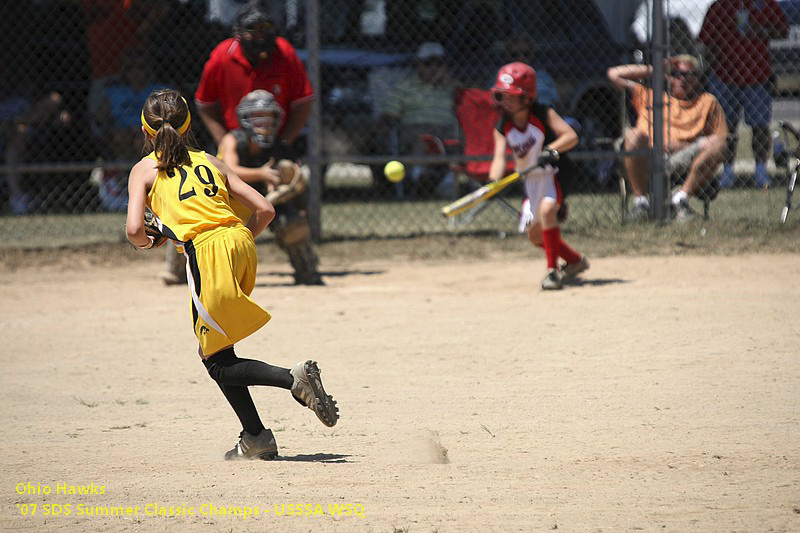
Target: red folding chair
{"x": 477, "y": 116}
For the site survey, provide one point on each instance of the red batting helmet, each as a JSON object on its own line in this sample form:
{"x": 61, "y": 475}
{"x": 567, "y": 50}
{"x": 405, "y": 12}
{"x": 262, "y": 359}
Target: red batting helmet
{"x": 516, "y": 78}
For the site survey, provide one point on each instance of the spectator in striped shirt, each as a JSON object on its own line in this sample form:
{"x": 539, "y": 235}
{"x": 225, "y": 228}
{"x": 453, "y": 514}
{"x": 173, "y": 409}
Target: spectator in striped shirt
{"x": 422, "y": 104}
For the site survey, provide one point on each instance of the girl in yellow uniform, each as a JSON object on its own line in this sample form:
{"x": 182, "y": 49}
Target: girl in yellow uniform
{"x": 190, "y": 192}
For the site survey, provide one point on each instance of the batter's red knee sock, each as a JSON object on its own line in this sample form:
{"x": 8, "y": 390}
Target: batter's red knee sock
{"x": 568, "y": 253}
{"x": 551, "y": 240}
{"x": 565, "y": 251}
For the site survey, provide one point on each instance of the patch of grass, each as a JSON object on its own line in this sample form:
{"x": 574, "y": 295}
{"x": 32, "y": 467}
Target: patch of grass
{"x": 84, "y": 402}
{"x": 741, "y": 221}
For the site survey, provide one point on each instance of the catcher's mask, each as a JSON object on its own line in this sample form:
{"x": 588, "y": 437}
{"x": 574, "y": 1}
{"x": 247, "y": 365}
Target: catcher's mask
{"x": 516, "y": 78}
{"x": 255, "y": 30}
{"x": 260, "y": 116}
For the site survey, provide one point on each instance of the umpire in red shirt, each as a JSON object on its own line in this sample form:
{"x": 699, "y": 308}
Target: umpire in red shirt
{"x": 737, "y": 34}
{"x": 255, "y": 58}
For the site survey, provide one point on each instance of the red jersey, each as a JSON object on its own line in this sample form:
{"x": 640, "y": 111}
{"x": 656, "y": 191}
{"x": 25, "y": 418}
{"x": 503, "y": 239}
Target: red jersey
{"x": 741, "y": 60}
{"x": 228, "y": 76}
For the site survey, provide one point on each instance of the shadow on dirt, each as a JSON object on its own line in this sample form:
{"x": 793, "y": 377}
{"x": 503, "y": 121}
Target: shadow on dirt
{"x": 315, "y": 458}
{"x": 326, "y": 274}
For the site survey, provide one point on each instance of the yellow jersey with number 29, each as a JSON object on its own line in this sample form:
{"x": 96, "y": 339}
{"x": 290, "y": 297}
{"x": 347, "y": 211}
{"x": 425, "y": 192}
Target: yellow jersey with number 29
{"x": 191, "y": 199}
{"x": 221, "y": 260}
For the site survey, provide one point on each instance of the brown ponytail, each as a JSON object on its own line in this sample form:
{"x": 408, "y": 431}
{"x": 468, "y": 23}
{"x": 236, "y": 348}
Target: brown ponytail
{"x": 166, "y": 118}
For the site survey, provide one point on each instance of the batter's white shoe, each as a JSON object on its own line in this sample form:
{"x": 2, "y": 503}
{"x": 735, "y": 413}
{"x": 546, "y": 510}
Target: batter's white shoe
{"x": 308, "y": 391}
{"x": 552, "y": 281}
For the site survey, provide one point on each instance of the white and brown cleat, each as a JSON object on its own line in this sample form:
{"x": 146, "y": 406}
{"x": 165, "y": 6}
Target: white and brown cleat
{"x": 307, "y": 389}
{"x": 261, "y": 446}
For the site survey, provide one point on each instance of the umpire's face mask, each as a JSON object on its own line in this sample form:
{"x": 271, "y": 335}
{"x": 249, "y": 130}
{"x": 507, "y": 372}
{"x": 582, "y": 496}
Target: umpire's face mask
{"x": 257, "y": 44}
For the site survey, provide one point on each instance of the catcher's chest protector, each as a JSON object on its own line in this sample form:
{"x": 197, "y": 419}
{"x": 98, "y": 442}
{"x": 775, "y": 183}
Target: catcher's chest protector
{"x": 248, "y": 159}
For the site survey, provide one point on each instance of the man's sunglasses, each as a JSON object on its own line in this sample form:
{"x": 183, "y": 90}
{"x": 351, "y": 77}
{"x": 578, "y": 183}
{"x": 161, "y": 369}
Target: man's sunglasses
{"x": 685, "y": 74}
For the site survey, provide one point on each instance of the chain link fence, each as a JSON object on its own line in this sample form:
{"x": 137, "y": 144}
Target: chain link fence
{"x": 399, "y": 80}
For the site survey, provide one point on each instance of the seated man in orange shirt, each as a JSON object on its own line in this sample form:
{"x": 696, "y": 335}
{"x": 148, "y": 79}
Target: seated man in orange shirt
{"x": 695, "y": 131}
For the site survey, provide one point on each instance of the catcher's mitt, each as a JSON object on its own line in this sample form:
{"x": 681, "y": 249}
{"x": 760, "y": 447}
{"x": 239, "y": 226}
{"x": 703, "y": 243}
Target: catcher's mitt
{"x": 152, "y": 227}
{"x": 293, "y": 183}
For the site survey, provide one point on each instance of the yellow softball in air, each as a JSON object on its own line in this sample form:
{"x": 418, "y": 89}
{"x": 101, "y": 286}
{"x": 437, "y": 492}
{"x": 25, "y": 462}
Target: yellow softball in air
{"x": 394, "y": 171}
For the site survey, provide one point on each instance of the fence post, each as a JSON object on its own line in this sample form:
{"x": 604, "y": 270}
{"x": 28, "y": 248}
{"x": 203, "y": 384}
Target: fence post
{"x": 315, "y": 121}
{"x": 658, "y": 178}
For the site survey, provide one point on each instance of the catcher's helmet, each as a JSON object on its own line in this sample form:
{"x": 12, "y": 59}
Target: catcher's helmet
{"x": 260, "y": 116}
{"x": 516, "y": 78}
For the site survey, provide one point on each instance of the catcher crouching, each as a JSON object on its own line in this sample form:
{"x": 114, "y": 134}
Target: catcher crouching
{"x": 254, "y": 153}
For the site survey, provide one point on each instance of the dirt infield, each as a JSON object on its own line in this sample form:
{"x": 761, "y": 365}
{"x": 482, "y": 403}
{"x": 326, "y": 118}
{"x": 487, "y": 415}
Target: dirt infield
{"x": 659, "y": 394}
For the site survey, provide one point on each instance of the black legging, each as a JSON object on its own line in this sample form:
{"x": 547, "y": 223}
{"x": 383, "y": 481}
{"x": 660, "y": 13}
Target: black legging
{"x": 234, "y": 375}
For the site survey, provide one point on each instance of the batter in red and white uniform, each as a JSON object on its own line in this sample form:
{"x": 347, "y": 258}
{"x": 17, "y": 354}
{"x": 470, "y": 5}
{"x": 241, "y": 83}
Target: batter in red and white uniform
{"x": 536, "y": 135}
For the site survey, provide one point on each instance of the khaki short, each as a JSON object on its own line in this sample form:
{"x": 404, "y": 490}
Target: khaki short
{"x": 679, "y": 163}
